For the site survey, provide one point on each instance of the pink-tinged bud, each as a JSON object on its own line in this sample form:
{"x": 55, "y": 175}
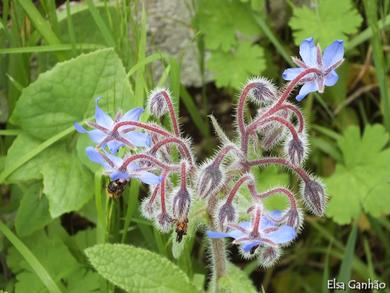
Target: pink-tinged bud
{"x": 295, "y": 218}
{"x": 269, "y": 255}
{"x": 272, "y": 135}
{"x": 209, "y": 180}
{"x": 295, "y": 150}
{"x": 314, "y": 196}
{"x": 147, "y": 209}
{"x": 181, "y": 204}
{"x": 164, "y": 222}
{"x": 156, "y": 103}
{"x": 226, "y": 215}
{"x": 263, "y": 90}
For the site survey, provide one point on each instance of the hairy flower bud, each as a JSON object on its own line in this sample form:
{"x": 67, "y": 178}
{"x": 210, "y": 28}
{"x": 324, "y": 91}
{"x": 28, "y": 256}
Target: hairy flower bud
{"x": 156, "y": 103}
{"x": 295, "y": 150}
{"x": 226, "y": 214}
{"x": 295, "y": 218}
{"x": 209, "y": 180}
{"x": 314, "y": 196}
{"x": 147, "y": 209}
{"x": 164, "y": 222}
{"x": 263, "y": 90}
{"x": 181, "y": 203}
{"x": 269, "y": 255}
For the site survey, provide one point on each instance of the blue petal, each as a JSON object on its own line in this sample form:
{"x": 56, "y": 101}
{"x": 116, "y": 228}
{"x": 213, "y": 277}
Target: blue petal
{"x": 283, "y": 235}
{"x": 114, "y": 146}
{"x": 249, "y": 245}
{"x": 119, "y": 175}
{"x": 79, "y": 128}
{"x": 101, "y": 117}
{"x": 97, "y": 135}
{"x": 331, "y": 78}
{"x": 149, "y": 178}
{"x": 138, "y": 139}
{"x": 133, "y": 114}
{"x": 308, "y": 52}
{"x": 307, "y": 88}
{"x": 214, "y": 234}
{"x": 96, "y": 157}
{"x": 333, "y": 53}
{"x": 291, "y": 73}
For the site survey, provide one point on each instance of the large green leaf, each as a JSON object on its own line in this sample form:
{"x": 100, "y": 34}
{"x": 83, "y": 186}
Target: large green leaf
{"x": 363, "y": 181}
{"x": 67, "y": 93}
{"x": 325, "y": 21}
{"x": 138, "y": 270}
{"x": 33, "y": 213}
{"x": 236, "y": 281}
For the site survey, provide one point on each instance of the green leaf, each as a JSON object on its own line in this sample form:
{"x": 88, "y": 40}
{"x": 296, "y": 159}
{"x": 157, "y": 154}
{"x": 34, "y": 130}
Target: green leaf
{"x": 67, "y": 93}
{"x": 68, "y": 185}
{"x": 33, "y": 212}
{"x": 138, "y": 270}
{"x": 236, "y": 281}
{"x": 362, "y": 181}
{"x": 219, "y": 21}
{"x": 235, "y": 67}
{"x": 327, "y": 21}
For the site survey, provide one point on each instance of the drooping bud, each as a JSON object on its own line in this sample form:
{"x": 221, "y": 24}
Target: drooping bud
{"x": 156, "y": 103}
{"x": 263, "y": 90}
{"x": 295, "y": 218}
{"x": 181, "y": 203}
{"x": 226, "y": 214}
{"x": 314, "y": 196}
{"x": 269, "y": 255}
{"x": 271, "y": 136}
{"x": 209, "y": 180}
{"x": 295, "y": 151}
{"x": 147, "y": 209}
{"x": 164, "y": 222}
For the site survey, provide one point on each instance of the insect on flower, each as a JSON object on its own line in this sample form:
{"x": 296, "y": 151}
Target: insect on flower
{"x": 115, "y": 188}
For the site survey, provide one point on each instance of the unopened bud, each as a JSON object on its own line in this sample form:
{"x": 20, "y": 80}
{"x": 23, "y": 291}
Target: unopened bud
{"x": 156, "y": 103}
{"x": 295, "y": 218}
{"x": 295, "y": 151}
{"x": 226, "y": 214}
{"x": 147, "y": 209}
{"x": 314, "y": 196}
{"x": 271, "y": 136}
{"x": 164, "y": 222}
{"x": 269, "y": 255}
{"x": 181, "y": 203}
{"x": 209, "y": 180}
{"x": 263, "y": 91}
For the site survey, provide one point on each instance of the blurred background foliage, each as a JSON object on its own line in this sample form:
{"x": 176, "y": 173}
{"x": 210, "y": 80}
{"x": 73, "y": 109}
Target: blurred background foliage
{"x": 203, "y": 51}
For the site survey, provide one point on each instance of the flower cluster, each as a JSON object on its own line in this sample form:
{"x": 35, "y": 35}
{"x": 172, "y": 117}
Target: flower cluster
{"x": 158, "y": 156}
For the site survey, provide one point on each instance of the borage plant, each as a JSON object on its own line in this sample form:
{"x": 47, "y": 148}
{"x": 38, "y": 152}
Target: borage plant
{"x": 163, "y": 159}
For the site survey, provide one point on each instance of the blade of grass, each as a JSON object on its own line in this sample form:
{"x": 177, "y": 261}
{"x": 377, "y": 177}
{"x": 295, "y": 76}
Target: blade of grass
{"x": 9, "y": 132}
{"x": 101, "y": 220}
{"x": 30, "y": 258}
{"x": 131, "y": 206}
{"x": 69, "y": 23}
{"x": 175, "y": 82}
{"x": 379, "y": 61}
{"x": 325, "y": 276}
{"x": 41, "y": 25}
{"x": 346, "y": 264}
{"x": 327, "y": 148}
{"x": 101, "y": 24}
{"x": 326, "y": 131}
{"x": 50, "y": 48}
{"x": 367, "y": 251}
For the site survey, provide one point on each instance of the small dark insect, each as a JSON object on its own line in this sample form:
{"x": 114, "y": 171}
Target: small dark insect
{"x": 115, "y": 188}
{"x": 181, "y": 229}
{"x": 253, "y": 249}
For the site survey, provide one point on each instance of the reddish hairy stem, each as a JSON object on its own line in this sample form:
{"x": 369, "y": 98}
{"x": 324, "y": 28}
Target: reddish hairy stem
{"x": 154, "y": 194}
{"x": 183, "y": 175}
{"x": 297, "y": 112}
{"x": 162, "y": 192}
{"x": 236, "y": 187}
{"x": 256, "y": 222}
{"x": 183, "y": 147}
{"x": 222, "y": 153}
{"x": 142, "y": 125}
{"x": 279, "y": 161}
{"x": 276, "y": 190}
{"x": 172, "y": 112}
{"x": 149, "y": 158}
{"x": 252, "y": 127}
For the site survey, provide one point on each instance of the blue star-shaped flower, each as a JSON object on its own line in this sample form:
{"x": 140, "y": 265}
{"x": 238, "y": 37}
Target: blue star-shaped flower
{"x": 312, "y": 58}
{"x": 103, "y": 133}
{"x": 112, "y": 167}
{"x": 269, "y": 233}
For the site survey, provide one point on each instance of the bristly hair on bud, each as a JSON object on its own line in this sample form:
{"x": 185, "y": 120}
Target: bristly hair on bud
{"x": 295, "y": 218}
{"x": 263, "y": 92}
{"x": 209, "y": 180}
{"x": 181, "y": 203}
{"x": 164, "y": 222}
{"x": 269, "y": 255}
{"x": 313, "y": 194}
{"x": 296, "y": 149}
{"x": 147, "y": 209}
{"x": 226, "y": 214}
{"x": 156, "y": 103}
